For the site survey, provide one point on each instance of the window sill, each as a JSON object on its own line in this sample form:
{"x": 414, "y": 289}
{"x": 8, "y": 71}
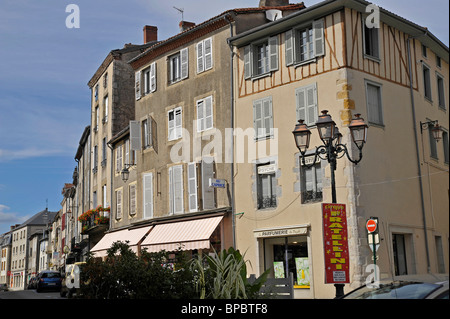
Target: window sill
{"x": 371, "y": 57}
{"x": 301, "y": 63}
{"x": 260, "y": 76}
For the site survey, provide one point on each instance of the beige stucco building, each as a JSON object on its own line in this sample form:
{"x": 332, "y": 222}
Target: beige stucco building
{"x": 327, "y": 57}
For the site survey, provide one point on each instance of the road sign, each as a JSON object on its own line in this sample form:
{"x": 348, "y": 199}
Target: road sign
{"x": 371, "y": 225}
{"x": 218, "y": 183}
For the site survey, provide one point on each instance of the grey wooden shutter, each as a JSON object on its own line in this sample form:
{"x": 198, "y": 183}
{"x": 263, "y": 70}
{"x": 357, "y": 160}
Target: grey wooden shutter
{"x": 247, "y": 62}
{"x": 208, "y": 57}
{"x": 200, "y": 116}
{"x": 258, "y": 118}
{"x": 301, "y": 104}
{"x": 119, "y": 204}
{"x": 289, "y": 47}
{"x": 319, "y": 40}
{"x": 200, "y": 54}
{"x": 267, "y": 116}
{"x": 137, "y": 83}
{"x": 153, "y": 77}
{"x": 154, "y": 134}
{"x": 207, "y": 191}
{"x": 148, "y": 195}
{"x": 135, "y": 135}
{"x": 192, "y": 187}
{"x": 132, "y": 199}
{"x": 178, "y": 189}
{"x": 184, "y": 57}
{"x": 171, "y": 192}
{"x": 273, "y": 53}
{"x": 311, "y": 104}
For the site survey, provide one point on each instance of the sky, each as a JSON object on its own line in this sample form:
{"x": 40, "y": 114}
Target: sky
{"x": 45, "y": 68}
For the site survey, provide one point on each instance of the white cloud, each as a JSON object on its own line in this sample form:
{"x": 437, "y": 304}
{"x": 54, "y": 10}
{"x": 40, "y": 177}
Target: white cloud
{"x": 10, "y": 218}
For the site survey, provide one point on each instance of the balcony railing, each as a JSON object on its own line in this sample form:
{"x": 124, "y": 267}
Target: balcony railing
{"x": 93, "y": 218}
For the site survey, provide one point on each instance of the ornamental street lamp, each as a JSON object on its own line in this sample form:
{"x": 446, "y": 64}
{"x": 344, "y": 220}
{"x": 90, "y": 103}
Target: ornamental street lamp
{"x": 332, "y": 149}
{"x": 125, "y": 172}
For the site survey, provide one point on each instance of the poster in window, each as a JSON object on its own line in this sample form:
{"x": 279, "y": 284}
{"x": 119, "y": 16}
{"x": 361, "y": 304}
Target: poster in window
{"x": 302, "y": 267}
{"x": 278, "y": 268}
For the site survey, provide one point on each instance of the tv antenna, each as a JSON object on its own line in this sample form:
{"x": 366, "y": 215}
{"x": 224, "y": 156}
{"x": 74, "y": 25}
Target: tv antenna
{"x": 181, "y": 11}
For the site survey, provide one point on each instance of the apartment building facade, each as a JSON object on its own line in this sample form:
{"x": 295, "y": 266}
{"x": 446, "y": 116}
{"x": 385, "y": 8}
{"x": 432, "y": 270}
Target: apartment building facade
{"x": 178, "y": 193}
{"x": 326, "y": 57}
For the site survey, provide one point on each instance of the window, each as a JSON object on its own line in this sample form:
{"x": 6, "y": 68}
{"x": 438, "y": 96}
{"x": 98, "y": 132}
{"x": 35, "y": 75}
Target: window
{"x": 285, "y": 255}
{"x": 306, "y": 100}
{"x": 104, "y": 203}
{"x": 119, "y": 156}
{"x": 178, "y": 66}
{"x": 105, "y": 110}
{"x": 261, "y": 57}
{"x": 145, "y": 133}
{"x": 147, "y": 195}
{"x": 445, "y": 143}
{"x": 433, "y": 143}
{"x": 204, "y": 114}
{"x": 262, "y": 118}
{"x": 441, "y": 91}
{"x": 94, "y": 199}
{"x": 104, "y": 152}
{"x": 132, "y": 199}
{"x": 204, "y": 55}
{"x": 426, "y": 81}
{"x": 371, "y": 43}
{"x": 97, "y": 119}
{"x": 118, "y": 204}
{"x": 105, "y": 80}
{"x": 95, "y": 163}
{"x": 400, "y": 263}
{"x": 208, "y": 193}
{"x": 267, "y": 185}
{"x": 305, "y": 44}
{"x": 424, "y": 51}
{"x": 311, "y": 181}
{"x": 438, "y": 62}
{"x": 150, "y": 79}
{"x": 174, "y": 124}
{"x": 96, "y": 93}
{"x": 374, "y": 105}
{"x": 176, "y": 189}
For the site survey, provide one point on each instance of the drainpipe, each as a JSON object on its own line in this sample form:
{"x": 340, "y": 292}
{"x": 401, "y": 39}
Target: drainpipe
{"x": 111, "y": 187}
{"x": 411, "y": 90}
{"x": 233, "y": 206}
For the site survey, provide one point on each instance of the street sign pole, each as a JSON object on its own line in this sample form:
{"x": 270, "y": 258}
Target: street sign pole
{"x": 372, "y": 229}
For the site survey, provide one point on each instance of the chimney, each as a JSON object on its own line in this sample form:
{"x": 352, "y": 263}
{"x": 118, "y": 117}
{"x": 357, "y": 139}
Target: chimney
{"x": 150, "y": 33}
{"x": 184, "y": 25}
{"x": 273, "y": 3}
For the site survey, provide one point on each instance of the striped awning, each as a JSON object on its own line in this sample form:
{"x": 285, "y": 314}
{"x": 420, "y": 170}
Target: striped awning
{"x": 184, "y": 235}
{"x": 133, "y": 236}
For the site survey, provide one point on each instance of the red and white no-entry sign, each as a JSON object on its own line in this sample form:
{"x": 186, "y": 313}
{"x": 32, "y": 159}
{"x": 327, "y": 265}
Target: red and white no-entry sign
{"x": 371, "y": 225}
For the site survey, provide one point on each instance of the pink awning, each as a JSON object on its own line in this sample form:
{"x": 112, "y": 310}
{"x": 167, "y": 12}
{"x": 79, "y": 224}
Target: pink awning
{"x": 133, "y": 236}
{"x": 184, "y": 235}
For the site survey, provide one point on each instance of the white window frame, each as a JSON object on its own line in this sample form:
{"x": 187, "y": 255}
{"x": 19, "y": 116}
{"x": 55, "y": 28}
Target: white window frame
{"x": 441, "y": 93}
{"x": 178, "y": 66}
{"x": 427, "y": 90}
{"x": 193, "y": 186}
{"x": 375, "y": 43}
{"x": 174, "y": 129}
{"x": 132, "y": 199}
{"x": 292, "y": 43}
{"x": 269, "y": 60}
{"x": 203, "y": 118}
{"x": 204, "y": 55}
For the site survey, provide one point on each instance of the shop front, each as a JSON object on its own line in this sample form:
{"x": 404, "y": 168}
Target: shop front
{"x": 286, "y": 250}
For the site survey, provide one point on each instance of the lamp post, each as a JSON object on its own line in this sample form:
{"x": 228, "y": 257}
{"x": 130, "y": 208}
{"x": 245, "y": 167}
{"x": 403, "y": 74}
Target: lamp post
{"x": 332, "y": 149}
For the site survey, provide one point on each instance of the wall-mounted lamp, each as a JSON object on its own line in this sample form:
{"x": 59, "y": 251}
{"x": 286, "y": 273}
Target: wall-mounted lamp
{"x": 436, "y": 129}
{"x": 125, "y": 172}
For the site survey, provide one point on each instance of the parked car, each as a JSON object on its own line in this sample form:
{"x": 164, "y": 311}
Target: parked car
{"x": 404, "y": 287}
{"x": 72, "y": 276}
{"x": 32, "y": 283}
{"x": 3, "y": 287}
{"x": 48, "y": 279}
